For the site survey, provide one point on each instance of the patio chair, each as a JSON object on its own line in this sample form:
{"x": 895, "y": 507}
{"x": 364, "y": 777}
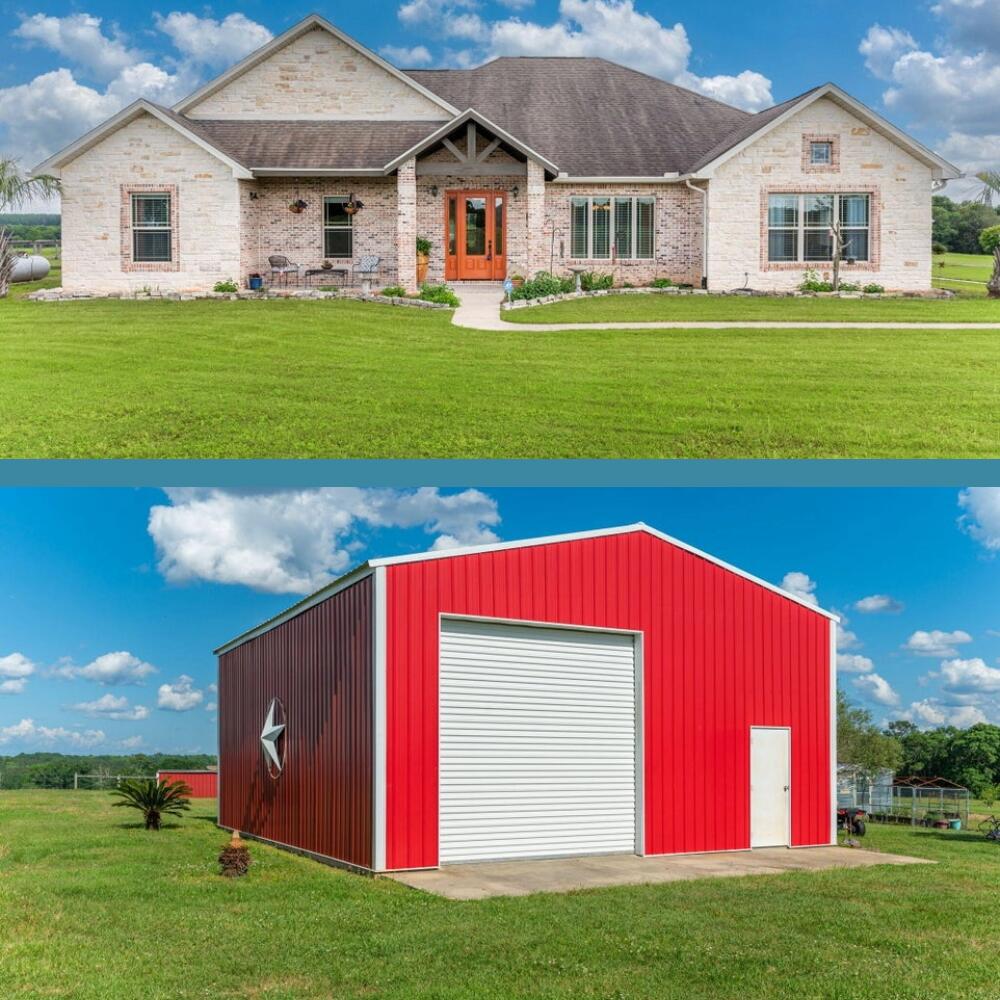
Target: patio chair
{"x": 281, "y": 266}
{"x": 367, "y": 268}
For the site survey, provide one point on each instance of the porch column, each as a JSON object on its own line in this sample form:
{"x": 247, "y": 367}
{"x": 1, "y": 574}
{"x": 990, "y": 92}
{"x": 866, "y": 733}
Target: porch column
{"x": 538, "y": 255}
{"x": 406, "y": 223}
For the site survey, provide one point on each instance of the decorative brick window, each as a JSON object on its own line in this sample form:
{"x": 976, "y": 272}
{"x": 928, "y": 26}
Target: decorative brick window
{"x": 820, "y": 154}
{"x": 795, "y": 223}
{"x": 149, "y": 235}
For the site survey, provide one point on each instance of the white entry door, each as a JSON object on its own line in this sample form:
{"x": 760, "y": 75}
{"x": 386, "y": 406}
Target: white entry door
{"x": 538, "y": 742}
{"x": 770, "y": 787}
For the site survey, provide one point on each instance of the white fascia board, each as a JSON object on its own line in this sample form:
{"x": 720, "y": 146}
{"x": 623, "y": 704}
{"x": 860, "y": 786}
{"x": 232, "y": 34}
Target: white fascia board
{"x": 318, "y": 172}
{"x": 124, "y": 117}
{"x": 940, "y": 167}
{"x": 335, "y": 586}
{"x": 294, "y": 32}
{"x": 470, "y": 114}
{"x": 598, "y": 533}
{"x": 673, "y": 178}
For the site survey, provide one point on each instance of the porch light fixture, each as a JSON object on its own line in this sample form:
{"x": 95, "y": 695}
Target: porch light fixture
{"x": 434, "y": 190}
{"x": 515, "y": 191}
{"x": 353, "y": 204}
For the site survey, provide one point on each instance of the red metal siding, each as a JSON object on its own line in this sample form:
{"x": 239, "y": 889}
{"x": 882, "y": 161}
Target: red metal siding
{"x": 203, "y": 784}
{"x": 721, "y": 654}
{"x": 319, "y": 665}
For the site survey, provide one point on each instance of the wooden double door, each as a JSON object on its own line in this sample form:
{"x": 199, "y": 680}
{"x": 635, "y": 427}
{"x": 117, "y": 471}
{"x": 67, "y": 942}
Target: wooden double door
{"x": 475, "y": 229}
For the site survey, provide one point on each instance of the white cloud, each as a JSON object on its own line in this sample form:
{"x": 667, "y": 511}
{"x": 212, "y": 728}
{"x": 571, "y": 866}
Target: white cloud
{"x": 801, "y": 585}
{"x": 969, "y": 677}
{"x": 295, "y": 541}
{"x": 26, "y": 731}
{"x": 181, "y": 696}
{"x": 882, "y": 47}
{"x": 931, "y": 712}
{"x": 982, "y": 517}
{"x": 852, "y": 663}
{"x": 876, "y": 688}
{"x": 417, "y": 55}
{"x": 972, "y": 22}
{"x": 80, "y": 38}
{"x": 111, "y": 668}
{"x": 936, "y": 643}
{"x": 14, "y": 686}
{"x": 109, "y": 706}
{"x": 610, "y": 29}
{"x": 207, "y": 42}
{"x": 876, "y": 603}
{"x": 131, "y": 742}
{"x": 16, "y": 666}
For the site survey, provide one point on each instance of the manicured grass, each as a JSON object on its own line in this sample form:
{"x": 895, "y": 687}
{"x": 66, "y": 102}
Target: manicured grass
{"x": 333, "y": 379}
{"x": 96, "y": 908}
{"x": 682, "y": 308}
{"x": 967, "y": 266}
{"x": 52, "y": 280}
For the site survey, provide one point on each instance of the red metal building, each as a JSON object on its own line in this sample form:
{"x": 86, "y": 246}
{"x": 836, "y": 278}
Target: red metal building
{"x": 599, "y": 692}
{"x": 203, "y": 784}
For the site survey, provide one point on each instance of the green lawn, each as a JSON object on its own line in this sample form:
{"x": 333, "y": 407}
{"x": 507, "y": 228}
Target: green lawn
{"x": 95, "y": 907}
{"x": 278, "y": 379}
{"x": 681, "y": 308}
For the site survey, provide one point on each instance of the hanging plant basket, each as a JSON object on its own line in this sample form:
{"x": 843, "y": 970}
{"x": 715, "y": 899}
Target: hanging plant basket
{"x": 354, "y": 205}
{"x": 297, "y": 206}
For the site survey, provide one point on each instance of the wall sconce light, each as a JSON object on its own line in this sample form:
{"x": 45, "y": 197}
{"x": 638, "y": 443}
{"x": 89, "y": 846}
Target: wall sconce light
{"x": 515, "y": 190}
{"x": 254, "y": 196}
{"x": 434, "y": 190}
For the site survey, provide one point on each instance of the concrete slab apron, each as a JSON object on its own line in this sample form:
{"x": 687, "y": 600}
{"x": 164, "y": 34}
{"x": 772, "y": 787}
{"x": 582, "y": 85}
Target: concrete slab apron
{"x": 480, "y": 310}
{"x": 522, "y": 878}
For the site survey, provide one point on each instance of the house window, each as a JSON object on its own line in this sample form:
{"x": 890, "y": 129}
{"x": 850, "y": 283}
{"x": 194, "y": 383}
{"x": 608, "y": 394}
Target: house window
{"x": 799, "y": 226}
{"x": 338, "y": 229}
{"x": 152, "y": 233}
{"x": 821, "y": 154}
{"x": 604, "y": 227}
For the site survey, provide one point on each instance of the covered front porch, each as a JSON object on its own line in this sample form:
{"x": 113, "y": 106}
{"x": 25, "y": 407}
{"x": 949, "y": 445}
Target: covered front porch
{"x": 473, "y": 201}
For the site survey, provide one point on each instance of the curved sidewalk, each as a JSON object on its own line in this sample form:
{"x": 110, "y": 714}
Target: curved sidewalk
{"x": 480, "y": 310}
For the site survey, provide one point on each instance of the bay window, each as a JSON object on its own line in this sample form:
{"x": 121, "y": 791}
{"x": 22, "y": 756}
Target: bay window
{"x": 602, "y": 227}
{"x": 799, "y": 227}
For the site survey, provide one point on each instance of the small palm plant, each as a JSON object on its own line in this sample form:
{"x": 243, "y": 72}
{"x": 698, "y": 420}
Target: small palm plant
{"x": 16, "y": 190}
{"x": 989, "y": 239}
{"x": 155, "y": 799}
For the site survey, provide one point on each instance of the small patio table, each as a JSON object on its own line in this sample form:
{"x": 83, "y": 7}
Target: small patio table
{"x": 340, "y": 272}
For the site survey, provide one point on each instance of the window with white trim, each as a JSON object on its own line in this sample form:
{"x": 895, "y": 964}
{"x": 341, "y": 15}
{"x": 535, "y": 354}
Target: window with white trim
{"x": 821, "y": 154}
{"x": 338, "y": 227}
{"x": 602, "y": 226}
{"x": 152, "y": 231}
{"x": 799, "y": 227}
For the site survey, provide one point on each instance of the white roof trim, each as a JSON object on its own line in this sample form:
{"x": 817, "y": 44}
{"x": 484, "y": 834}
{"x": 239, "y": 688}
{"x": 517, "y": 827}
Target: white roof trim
{"x": 126, "y": 115}
{"x": 318, "y": 172}
{"x": 470, "y": 114}
{"x": 941, "y": 167}
{"x": 294, "y": 32}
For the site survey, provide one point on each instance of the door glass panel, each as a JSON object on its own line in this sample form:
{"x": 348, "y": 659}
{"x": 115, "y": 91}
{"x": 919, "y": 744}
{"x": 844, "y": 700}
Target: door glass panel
{"x": 498, "y": 233}
{"x": 452, "y": 223}
{"x": 475, "y": 227}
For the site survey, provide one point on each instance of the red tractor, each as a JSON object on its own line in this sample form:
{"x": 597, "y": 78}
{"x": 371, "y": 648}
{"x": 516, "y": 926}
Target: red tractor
{"x": 852, "y": 820}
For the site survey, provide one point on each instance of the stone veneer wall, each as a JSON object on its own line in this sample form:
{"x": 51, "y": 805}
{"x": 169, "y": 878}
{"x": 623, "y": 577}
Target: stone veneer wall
{"x": 678, "y": 241}
{"x": 867, "y": 161}
{"x": 317, "y": 76}
{"x": 148, "y": 155}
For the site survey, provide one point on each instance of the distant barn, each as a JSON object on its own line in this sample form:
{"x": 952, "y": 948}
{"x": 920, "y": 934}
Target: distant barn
{"x": 203, "y": 784}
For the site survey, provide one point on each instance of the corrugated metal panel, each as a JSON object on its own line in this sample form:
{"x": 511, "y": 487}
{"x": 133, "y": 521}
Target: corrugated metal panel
{"x": 720, "y": 652}
{"x": 203, "y": 784}
{"x": 538, "y": 751}
{"x": 319, "y": 665}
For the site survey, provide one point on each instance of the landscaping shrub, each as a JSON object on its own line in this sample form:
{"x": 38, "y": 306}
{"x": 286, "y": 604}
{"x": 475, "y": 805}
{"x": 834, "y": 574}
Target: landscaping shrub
{"x": 850, "y": 286}
{"x": 811, "y": 282}
{"x": 394, "y": 291}
{"x": 873, "y": 289}
{"x": 438, "y": 293}
{"x": 989, "y": 239}
{"x": 938, "y": 248}
{"x": 594, "y": 281}
{"x": 661, "y": 283}
{"x": 226, "y": 286}
{"x": 154, "y": 799}
{"x": 543, "y": 284}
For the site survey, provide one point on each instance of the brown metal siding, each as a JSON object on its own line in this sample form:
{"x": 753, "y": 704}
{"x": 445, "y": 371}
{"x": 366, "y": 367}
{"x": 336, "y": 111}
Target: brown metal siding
{"x": 319, "y": 664}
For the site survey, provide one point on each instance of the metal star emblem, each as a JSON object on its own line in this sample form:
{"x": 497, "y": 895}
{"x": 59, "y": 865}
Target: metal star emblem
{"x": 269, "y": 736}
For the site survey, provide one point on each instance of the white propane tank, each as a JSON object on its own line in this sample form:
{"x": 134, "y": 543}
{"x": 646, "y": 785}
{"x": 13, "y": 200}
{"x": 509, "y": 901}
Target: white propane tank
{"x": 29, "y": 268}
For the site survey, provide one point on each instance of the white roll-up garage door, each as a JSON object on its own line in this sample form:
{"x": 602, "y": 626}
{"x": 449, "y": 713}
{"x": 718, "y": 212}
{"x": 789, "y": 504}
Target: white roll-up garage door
{"x": 538, "y": 742}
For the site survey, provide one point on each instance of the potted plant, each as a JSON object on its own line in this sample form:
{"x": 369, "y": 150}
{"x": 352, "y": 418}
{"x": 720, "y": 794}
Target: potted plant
{"x": 297, "y": 206}
{"x": 423, "y": 258}
{"x": 517, "y": 280}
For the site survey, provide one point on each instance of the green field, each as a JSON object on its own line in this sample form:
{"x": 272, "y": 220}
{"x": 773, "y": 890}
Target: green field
{"x": 682, "y": 308}
{"x": 965, "y": 274}
{"x": 95, "y": 908}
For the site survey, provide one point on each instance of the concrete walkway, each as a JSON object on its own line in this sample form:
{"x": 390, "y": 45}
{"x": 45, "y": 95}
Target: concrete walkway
{"x": 480, "y": 310}
{"x": 522, "y": 878}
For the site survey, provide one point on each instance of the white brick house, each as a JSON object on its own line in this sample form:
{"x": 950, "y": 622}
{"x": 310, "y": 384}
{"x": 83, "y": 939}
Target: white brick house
{"x": 316, "y": 149}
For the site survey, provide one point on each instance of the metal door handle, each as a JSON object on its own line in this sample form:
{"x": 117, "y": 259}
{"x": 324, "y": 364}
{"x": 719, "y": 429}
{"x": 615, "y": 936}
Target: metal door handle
{"x": 787, "y": 787}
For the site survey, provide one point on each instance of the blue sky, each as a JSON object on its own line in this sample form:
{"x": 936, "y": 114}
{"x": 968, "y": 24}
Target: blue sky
{"x": 932, "y": 66}
{"x": 112, "y": 600}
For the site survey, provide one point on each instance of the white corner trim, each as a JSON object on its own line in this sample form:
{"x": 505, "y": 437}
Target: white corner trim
{"x": 379, "y": 636}
{"x": 297, "y": 31}
{"x": 833, "y": 733}
{"x": 123, "y": 118}
{"x": 941, "y": 167}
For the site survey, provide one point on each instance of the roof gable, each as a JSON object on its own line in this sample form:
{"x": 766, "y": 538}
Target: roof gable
{"x": 311, "y": 23}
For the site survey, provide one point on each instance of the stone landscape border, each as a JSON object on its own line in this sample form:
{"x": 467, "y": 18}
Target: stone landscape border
{"x": 60, "y": 295}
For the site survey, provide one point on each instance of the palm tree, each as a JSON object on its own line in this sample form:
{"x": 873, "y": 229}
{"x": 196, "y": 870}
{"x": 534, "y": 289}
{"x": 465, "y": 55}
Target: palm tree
{"x": 154, "y": 799}
{"x": 990, "y": 180}
{"x": 16, "y": 190}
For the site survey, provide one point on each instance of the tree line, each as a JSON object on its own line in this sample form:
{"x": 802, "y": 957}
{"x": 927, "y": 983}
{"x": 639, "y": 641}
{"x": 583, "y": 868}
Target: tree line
{"x": 56, "y": 770}
{"x": 957, "y": 225}
{"x": 969, "y": 757}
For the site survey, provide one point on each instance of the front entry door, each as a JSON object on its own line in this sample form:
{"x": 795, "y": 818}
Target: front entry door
{"x": 770, "y": 786}
{"x": 476, "y": 235}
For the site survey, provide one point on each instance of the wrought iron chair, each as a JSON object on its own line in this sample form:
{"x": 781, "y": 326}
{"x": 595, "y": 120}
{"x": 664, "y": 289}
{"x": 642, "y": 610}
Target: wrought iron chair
{"x": 282, "y": 267}
{"x": 367, "y": 268}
